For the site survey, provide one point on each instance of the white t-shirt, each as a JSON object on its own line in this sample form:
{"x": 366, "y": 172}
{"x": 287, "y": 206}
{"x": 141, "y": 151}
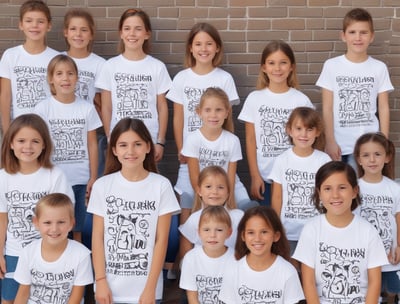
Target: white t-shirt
{"x": 19, "y": 194}
{"x": 130, "y": 211}
{"x": 134, "y": 86}
{"x": 69, "y": 124}
{"x": 355, "y": 88}
{"x": 269, "y": 112}
{"x": 380, "y": 202}
{"x": 28, "y": 76}
{"x": 204, "y": 274}
{"x": 278, "y": 284}
{"x": 297, "y": 177}
{"x": 89, "y": 69}
{"x": 52, "y": 282}
{"x": 340, "y": 257}
{"x": 187, "y": 88}
{"x": 190, "y": 228}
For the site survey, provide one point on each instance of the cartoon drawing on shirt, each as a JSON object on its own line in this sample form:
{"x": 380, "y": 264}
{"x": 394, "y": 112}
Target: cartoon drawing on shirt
{"x": 30, "y": 90}
{"x": 193, "y": 96}
{"x": 252, "y": 296}
{"x": 209, "y": 157}
{"x": 208, "y": 289}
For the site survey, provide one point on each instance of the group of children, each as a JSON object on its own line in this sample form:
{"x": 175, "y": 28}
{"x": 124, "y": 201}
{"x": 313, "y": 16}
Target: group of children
{"x": 233, "y": 249}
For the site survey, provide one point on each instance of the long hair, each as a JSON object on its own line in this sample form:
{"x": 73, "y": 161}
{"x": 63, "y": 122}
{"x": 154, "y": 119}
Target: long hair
{"x": 84, "y": 14}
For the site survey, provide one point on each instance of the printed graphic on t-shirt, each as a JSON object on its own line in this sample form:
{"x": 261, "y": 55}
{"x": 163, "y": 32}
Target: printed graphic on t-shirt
{"x": 82, "y": 86}
{"x": 377, "y": 209}
{"x": 209, "y": 157}
{"x": 51, "y": 288}
{"x": 341, "y": 276}
{"x": 30, "y": 86}
{"x": 252, "y": 296}
{"x": 193, "y": 97}
{"x": 128, "y": 234}
{"x": 274, "y": 139}
{"x": 354, "y": 100}
{"x": 300, "y": 187}
{"x": 132, "y": 94}
{"x": 69, "y": 140}
{"x": 208, "y": 289}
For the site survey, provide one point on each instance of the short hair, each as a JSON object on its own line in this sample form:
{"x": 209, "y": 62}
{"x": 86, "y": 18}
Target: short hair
{"x": 61, "y": 58}
{"x": 55, "y": 200}
{"x": 34, "y": 6}
{"x": 84, "y": 14}
{"x": 216, "y": 213}
{"x": 357, "y": 15}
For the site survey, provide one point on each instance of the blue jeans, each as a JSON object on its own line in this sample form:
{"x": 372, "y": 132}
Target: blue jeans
{"x": 267, "y": 195}
{"x": 80, "y": 207}
{"x": 173, "y": 240}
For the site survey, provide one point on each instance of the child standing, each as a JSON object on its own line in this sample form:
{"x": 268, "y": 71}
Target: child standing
{"x": 23, "y": 68}
{"x": 351, "y": 84}
{"x": 53, "y": 269}
{"x": 341, "y": 253}
{"x": 203, "y": 266}
{"x": 72, "y": 123}
{"x": 265, "y": 113}
{"x": 203, "y": 56}
{"x": 293, "y": 172}
{"x": 262, "y": 270}
{"x": 27, "y": 174}
{"x": 380, "y": 201}
{"x": 132, "y": 207}
{"x": 134, "y": 83}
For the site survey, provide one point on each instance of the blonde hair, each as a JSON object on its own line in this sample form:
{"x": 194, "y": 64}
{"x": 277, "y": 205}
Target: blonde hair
{"x": 217, "y": 214}
{"x": 54, "y": 200}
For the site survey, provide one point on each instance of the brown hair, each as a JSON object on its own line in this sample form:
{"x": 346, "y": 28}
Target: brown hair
{"x": 147, "y": 25}
{"x": 9, "y": 161}
{"x": 125, "y": 125}
{"x": 80, "y": 13}
{"x": 34, "y": 6}
{"x": 388, "y": 146}
{"x": 270, "y": 48}
{"x": 190, "y": 61}
{"x": 357, "y": 15}
{"x": 280, "y": 247}
{"x": 215, "y": 213}
{"x": 55, "y": 200}
{"x": 61, "y": 58}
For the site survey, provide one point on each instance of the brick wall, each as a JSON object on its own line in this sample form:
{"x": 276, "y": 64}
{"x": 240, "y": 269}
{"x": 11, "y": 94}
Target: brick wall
{"x": 311, "y": 27}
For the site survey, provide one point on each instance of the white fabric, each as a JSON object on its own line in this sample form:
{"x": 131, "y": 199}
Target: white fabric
{"x": 187, "y": 88}
{"x": 355, "y": 88}
{"x": 340, "y": 257}
{"x": 19, "y": 194}
{"x": 28, "y": 76}
{"x": 190, "y": 228}
{"x": 130, "y": 211}
{"x": 52, "y": 282}
{"x": 204, "y": 274}
{"x": 69, "y": 124}
{"x": 297, "y": 177}
{"x": 134, "y": 86}
{"x": 380, "y": 202}
{"x": 269, "y": 112}
{"x": 278, "y": 284}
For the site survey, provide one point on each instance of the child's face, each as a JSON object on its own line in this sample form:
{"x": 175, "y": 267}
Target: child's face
{"x": 204, "y": 48}
{"x": 303, "y": 137}
{"x": 259, "y": 236}
{"x": 278, "y": 67}
{"x": 78, "y": 33}
{"x": 213, "y": 235}
{"x": 27, "y": 145}
{"x": 213, "y": 191}
{"x": 213, "y": 113}
{"x": 133, "y": 33}
{"x": 54, "y": 224}
{"x": 358, "y": 36}
{"x": 336, "y": 194}
{"x": 64, "y": 79}
{"x": 35, "y": 25}
{"x": 372, "y": 159}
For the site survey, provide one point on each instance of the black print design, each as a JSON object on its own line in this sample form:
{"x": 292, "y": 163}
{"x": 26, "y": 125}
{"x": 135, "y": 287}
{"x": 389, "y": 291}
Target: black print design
{"x": 208, "y": 157}
{"x": 193, "y": 97}
{"x": 274, "y": 139}
{"x": 132, "y": 95}
{"x": 341, "y": 276}
{"x": 69, "y": 140}
{"x": 354, "y": 100}
{"x": 208, "y": 289}
{"x": 252, "y": 296}
{"x": 30, "y": 86}
{"x": 300, "y": 189}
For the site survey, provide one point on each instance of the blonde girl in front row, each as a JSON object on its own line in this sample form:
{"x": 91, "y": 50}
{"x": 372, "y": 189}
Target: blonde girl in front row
{"x": 132, "y": 207}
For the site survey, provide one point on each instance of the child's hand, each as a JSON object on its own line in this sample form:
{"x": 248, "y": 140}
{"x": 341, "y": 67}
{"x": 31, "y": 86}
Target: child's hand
{"x": 158, "y": 152}
{"x": 103, "y": 293}
{"x": 89, "y": 190}
{"x": 2, "y": 266}
{"x": 182, "y": 159}
{"x": 395, "y": 258}
{"x": 333, "y": 150}
{"x": 257, "y": 188}
{"x": 147, "y": 297}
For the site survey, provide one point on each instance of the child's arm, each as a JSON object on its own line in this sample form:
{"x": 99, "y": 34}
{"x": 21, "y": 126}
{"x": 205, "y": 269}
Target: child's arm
{"x": 5, "y": 103}
{"x": 106, "y": 111}
{"x": 232, "y": 176}
{"x": 97, "y": 103}
{"x": 396, "y": 258}
{"x": 276, "y": 198}
{"x": 178, "y": 130}
{"x": 257, "y": 183}
{"x": 160, "y": 250}
{"x": 309, "y": 284}
{"x": 194, "y": 171}
{"x": 384, "y": 113}
{"x": 331, "y": 147}
{"x": 184, "y": 246}
{"x": 3, "y": 233}
{"x": 103, "y": 293}
{"x": 162, "y": 109}
{"x": 192, "y": 297}
{"x": 374, "y": 285}
{"x": 76, "y": 294}
{"x": 93, "y": 160}
{"x": 23, "y": 294}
